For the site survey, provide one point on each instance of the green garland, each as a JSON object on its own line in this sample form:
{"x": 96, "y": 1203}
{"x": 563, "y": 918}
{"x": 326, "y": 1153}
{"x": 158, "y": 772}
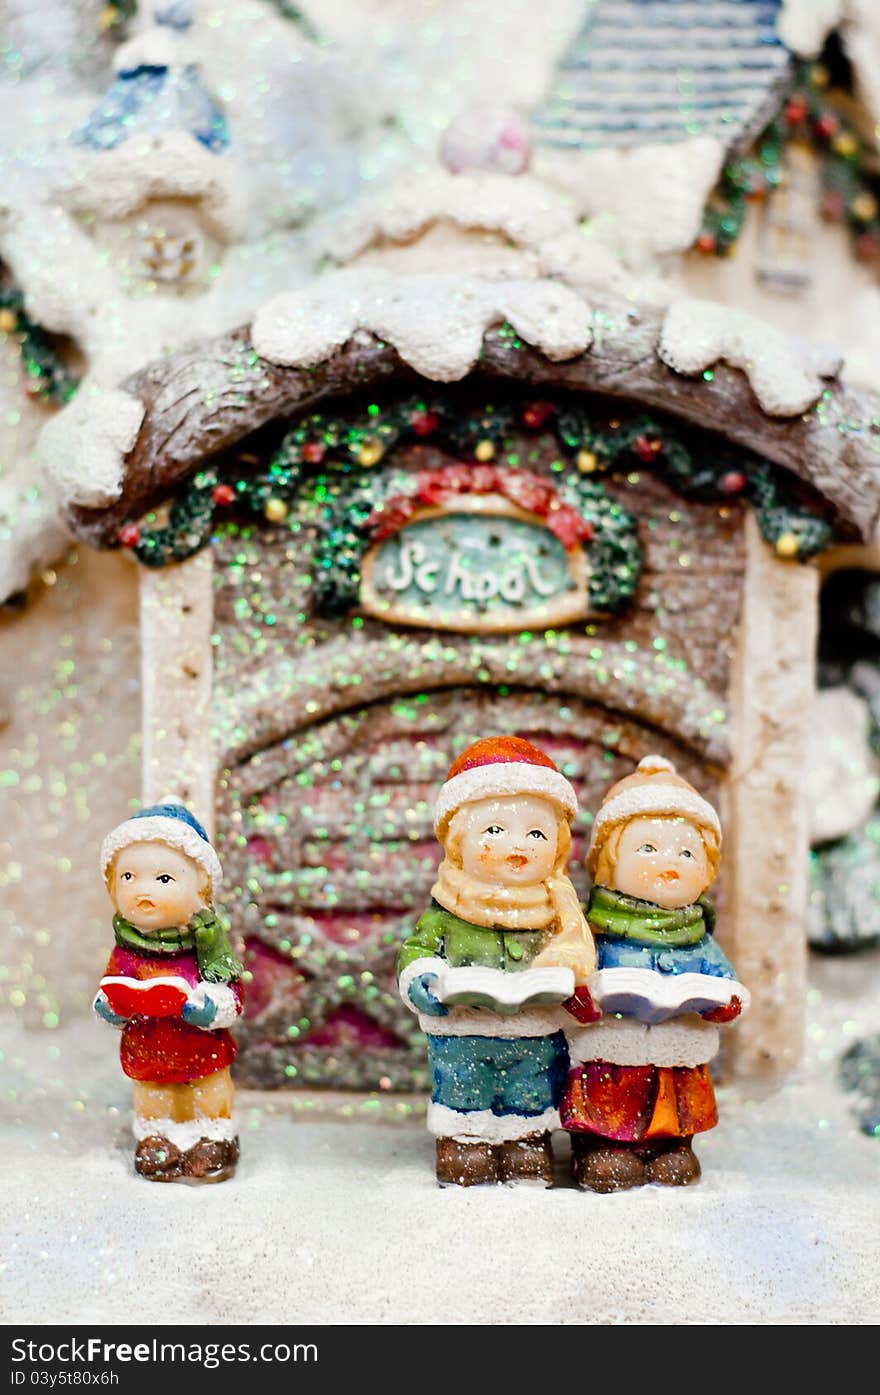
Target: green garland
{"x": 46, "y": 377}
{"x": 794, "y": 528}
{"x": 190, "y": 523}
{"x": 849, "y": 188}
{"x": 330, "y": 464}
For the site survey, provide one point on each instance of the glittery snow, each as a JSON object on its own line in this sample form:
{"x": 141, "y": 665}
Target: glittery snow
{"x": 157, "y": 47}
{"x": 436, "y": 323}
{"x": 524, "y": 210}
{"x": 843, "y": 774}
{"x": 786, "y": 374}
{"x": 31, "y": 535}
{"x": 81, "y": 449}
{"x": 171, "y": 164}
{"x": 804, "y": 25}
{"x": 646, "y": 202}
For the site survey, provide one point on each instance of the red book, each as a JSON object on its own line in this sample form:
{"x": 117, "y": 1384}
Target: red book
{"x": 163, "y": 996}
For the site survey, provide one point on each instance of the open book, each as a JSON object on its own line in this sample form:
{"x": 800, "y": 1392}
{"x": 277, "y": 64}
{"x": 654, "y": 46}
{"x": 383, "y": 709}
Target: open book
{"x": 653, "y": 997}
{"x": 504, "y": 993}
{"x": 163, "y": 996}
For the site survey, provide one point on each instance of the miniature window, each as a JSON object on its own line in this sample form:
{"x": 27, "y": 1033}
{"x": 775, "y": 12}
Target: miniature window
{"x": 166, "y": 256}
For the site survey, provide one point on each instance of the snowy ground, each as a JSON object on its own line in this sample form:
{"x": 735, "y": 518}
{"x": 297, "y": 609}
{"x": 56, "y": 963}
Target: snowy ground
{"x": 334, "y": 1215}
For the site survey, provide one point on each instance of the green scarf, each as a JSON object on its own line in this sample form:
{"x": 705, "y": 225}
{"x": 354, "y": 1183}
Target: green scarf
{"x": 612, "y": 913}
{"x": 206, "y": 934}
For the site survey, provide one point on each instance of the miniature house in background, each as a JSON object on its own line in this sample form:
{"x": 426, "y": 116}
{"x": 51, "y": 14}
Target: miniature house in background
{"x": 513, "y": 468}
{"x": 486, "y": 508}
{"x": 157, "y": 193}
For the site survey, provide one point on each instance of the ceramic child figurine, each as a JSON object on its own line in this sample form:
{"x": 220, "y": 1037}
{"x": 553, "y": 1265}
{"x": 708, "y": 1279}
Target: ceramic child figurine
{"x": 503, "y": 944}
{"x": 173, "y": 985}
{"x": 639, "y": 1087}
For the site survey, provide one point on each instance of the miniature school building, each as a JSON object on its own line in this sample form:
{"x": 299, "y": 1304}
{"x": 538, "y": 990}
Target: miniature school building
{"x": 374, "y": 554}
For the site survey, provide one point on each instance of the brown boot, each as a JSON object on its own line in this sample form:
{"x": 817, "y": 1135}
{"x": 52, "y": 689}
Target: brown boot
{"x": 211, "y": 1160}
{"x": 465, "y": 1164}
{"x": 602, "y": 1165}
{"x": 158, "y": 1159}
{"x": 526, "y": 1159}
{"x": 675, "y": 1164}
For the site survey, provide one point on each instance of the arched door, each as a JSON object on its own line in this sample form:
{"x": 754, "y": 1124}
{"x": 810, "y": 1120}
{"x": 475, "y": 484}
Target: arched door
{"x": 326, "y": 838}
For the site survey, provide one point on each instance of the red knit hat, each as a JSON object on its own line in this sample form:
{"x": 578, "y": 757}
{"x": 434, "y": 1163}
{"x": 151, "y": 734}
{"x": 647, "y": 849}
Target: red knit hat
{"x": 502, "y": 765}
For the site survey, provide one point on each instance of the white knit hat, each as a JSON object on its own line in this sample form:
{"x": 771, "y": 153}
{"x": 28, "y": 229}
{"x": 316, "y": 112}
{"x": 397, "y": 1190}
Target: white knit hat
{"x": 502, "y": 765}
{"x": 656, "y": 788}
{"x": 170, "y": 823}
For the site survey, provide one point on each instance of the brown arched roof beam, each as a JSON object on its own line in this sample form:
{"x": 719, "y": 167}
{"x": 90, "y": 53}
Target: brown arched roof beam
{"x": 206, "y": 399}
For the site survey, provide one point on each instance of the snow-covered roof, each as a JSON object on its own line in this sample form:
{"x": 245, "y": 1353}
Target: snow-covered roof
{"x": 157, "y": 132}
{"x": 656, "y": 71}
{"x": 766, "y": 391}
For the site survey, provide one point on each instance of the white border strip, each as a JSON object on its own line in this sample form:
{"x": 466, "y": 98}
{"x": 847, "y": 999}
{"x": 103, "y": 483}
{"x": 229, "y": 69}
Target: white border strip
{"x": 502, "y": 778}
{"x": 482, "y": 1126}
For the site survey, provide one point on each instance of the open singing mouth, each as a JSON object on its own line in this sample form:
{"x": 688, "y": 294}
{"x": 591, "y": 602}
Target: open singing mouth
{"x": 669, "y": 876}
{"x": 518, "y": 861}
{"x": 144, "y": 903}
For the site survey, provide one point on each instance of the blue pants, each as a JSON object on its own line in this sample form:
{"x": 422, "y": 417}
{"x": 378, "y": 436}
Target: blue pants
{"x": 506, "y": 1075}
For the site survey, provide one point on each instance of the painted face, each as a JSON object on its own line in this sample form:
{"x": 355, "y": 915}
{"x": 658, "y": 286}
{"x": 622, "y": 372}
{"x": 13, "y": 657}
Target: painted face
{"x": 156, "y": 887}
{"x": 662, "y": 860}
{"x": 509, "y": 840}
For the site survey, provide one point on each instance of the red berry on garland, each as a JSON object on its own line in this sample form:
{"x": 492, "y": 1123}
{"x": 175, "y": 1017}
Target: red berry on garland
{"x": 796, "y": 110}
{"x": 223, "y": 494}
{"x": 647, "y": 448}
{"x": 832, "y": 205}
{"x": 706, "y": 243}
{"x": 313, "y": 452}
{"x": 130, "y": 535}
{"x": 536, "y": 413}
{"x": 734, "y": 482}
{"x": 424, "y": 423}
{"x": 827, "y": 125}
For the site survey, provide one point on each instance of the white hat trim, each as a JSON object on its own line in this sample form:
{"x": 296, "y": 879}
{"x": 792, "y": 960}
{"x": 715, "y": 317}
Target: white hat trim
{"x": 655, "y": 799}
{"x": 500, "y": 778}
{"x": 158, "y": 828}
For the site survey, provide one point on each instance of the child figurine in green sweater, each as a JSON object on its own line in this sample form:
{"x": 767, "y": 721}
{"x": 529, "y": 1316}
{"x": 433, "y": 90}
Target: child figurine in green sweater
{"x": 502, "y": 903}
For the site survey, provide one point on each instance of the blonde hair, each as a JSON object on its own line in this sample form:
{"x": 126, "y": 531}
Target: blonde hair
{"x": 602, "y": 857}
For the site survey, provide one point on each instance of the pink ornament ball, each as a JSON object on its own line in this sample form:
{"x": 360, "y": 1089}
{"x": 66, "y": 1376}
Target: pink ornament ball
{"x": 487, "y": 138}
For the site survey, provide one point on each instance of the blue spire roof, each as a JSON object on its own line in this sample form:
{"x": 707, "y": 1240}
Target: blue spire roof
{"x": 150, "y": 98}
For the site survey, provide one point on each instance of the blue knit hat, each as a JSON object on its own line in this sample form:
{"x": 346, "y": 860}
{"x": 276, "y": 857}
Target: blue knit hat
{"x": 170, "y": 823}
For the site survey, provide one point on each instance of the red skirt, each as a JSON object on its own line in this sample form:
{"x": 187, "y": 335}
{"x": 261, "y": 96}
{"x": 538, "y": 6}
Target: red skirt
{"x": 632, "y": 1103}
{"x": 166, "y": 1051}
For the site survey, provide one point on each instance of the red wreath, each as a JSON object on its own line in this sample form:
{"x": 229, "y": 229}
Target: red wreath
{"x": 436, "y": 488}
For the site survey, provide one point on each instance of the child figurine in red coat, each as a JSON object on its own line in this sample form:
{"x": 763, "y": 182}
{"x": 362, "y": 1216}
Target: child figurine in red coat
{"x": 639, "y": 1087}
{"x": 173, "y": 985}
